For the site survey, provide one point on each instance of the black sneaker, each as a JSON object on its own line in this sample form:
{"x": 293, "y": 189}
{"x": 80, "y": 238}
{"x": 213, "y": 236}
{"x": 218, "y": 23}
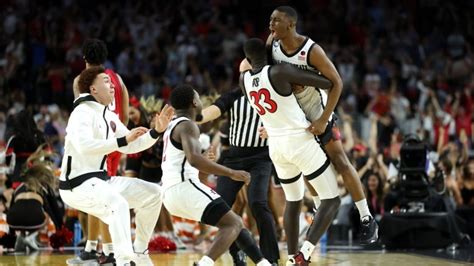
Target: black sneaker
{"x": 89, "y": 256}
{"x": 240, "y": 259}
{"x": 103, "y": 259}
{"x": 369, "y": 232}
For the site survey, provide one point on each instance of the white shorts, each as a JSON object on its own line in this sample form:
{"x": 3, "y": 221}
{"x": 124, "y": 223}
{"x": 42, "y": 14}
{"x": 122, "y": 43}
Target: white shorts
{"x": 193, "y": 200}
{"x": 96, "y": 196}
{"x": 296, "y": 154}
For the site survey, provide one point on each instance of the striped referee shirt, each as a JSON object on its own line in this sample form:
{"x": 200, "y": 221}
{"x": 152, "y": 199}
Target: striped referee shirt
{"x": 243, "y": 120}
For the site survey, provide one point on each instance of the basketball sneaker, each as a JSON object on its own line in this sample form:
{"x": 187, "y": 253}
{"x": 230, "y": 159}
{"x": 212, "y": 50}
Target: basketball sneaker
{"x": 143, "y": 259}
{"x": 369, "y": 231}
{"x": 107, "y": 260}
{"x": 298, "y": 260}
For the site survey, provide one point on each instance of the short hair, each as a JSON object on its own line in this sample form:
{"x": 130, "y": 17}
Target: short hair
{"x": 182, "y": 97}
{"x": 87, "y": 77}
{"x": 254, "y": 49}
{"x": 94, "y": 51}
{"x": 289, "y": 11}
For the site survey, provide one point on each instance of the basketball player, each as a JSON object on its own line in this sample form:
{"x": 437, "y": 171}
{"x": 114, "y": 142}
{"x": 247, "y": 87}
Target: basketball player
{"x": 92, "y": 132}
{"x": 293, "y": 149}
{"x": 185, "y": 196}
{"x": 287, "y": 46}
{"x": 249, "y": 153}
{"x": 95, "y": 54}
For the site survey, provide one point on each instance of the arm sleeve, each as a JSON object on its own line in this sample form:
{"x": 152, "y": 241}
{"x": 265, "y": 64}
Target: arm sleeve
{"x": 224, "y": 103}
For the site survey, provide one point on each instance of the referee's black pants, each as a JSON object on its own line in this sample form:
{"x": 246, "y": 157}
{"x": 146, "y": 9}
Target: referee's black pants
{"x": 257, "y": 162}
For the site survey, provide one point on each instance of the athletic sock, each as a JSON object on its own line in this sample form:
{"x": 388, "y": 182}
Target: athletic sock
{"x": 363, "y": 208}
{"x": 107, "y": 248}
{"x": 91, "y": 245}
{"x": 307, "y": 249}
{"x": 206, "y": 261}
{"x": 264, "y": 262}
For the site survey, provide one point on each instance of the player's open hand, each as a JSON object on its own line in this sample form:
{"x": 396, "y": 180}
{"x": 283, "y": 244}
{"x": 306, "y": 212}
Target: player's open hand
{"x": 239, "y": 175}
{"x": 136, "y": 133}
{"x": 318, "y": 126}
{"x": 163, "y": 119}
{"x": 262, "y": 132}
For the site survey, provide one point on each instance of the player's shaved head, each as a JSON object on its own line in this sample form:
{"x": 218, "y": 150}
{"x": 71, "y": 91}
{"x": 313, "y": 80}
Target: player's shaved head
{"x": 254, "y": 50}
{"x": 289, "y": 11}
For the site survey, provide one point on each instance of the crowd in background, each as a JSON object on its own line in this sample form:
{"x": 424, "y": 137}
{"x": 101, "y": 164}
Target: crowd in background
{"x": 406, "y": 68}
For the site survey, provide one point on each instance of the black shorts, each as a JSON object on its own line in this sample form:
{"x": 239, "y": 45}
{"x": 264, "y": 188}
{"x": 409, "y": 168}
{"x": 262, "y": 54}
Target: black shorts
{"x": 26, "y": 214}
{"x": 332, "y": 132}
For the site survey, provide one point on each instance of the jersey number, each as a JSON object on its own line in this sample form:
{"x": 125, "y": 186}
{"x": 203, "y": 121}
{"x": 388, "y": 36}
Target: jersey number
{"x": 270, "y": 105}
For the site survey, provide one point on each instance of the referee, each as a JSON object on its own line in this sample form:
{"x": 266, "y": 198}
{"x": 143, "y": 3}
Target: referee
{"x": 247, "y": 152}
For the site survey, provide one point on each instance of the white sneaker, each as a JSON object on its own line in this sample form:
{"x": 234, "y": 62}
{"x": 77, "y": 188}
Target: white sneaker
{"x": 143, "y": 259}
{"x": 30, "y": 241}
{"x": 130, "y": 260}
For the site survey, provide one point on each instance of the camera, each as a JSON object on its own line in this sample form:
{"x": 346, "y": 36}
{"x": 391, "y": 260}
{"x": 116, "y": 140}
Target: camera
{"x": 414, "y": 183}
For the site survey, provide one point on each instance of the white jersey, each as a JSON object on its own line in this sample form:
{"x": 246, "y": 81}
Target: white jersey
{"x": 281, "y": 115}
{"x": 176, "y": 168}
{"x": 312, "y": 100}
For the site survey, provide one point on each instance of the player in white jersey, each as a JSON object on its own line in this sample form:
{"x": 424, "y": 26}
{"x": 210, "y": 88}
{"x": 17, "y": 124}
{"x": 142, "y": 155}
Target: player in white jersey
{"x": 185, "y": 196}
{"x": 293, "y": 149}
{"x": 290, "y": 47}
{"x": 287, "y": 46}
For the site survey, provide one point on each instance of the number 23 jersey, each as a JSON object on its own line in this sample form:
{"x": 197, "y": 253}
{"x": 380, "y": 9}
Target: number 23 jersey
{"x": 281, "y": 114}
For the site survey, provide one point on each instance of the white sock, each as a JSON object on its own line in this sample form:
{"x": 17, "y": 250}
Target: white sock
{"x": 307, "y": 249}
{"x": 91, "y": 245}
{"x": 206, "y": 261}
{"x": 264, "y": 262}
{"x": 107, "y": 248}
{"x": 363, "y": 208}
{"x": 317, "y": 202}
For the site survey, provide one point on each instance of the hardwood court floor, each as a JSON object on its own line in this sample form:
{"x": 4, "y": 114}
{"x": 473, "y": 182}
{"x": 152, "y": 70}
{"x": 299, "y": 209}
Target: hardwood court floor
{"x": 349, "y": 258}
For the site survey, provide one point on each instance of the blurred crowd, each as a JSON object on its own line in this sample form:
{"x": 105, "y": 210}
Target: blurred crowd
{"x": 406, "y": 68}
